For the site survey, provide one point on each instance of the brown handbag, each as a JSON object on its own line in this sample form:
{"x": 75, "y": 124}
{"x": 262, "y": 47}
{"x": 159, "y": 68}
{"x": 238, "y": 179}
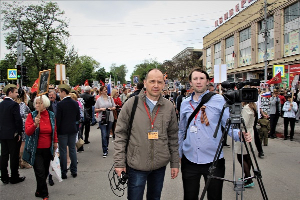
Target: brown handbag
{"x": 115, "y": 114}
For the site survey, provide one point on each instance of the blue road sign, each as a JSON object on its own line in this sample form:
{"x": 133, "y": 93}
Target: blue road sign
{"x": 12, "y": 74}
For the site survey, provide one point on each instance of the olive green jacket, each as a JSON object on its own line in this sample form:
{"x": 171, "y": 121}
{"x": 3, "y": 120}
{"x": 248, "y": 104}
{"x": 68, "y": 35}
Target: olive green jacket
{"x": 144, "y": 154}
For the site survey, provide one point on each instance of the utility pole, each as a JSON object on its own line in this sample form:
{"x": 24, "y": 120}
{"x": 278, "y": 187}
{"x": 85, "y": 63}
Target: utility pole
{"x": 266, "y": 41}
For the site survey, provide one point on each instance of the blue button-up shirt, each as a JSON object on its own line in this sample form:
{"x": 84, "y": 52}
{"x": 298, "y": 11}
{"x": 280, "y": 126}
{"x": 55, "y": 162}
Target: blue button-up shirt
{"x": 201, "y": 147}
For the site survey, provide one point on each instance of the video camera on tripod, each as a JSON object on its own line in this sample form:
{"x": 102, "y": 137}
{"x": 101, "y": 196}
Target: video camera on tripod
{"x": 241, "y": 94}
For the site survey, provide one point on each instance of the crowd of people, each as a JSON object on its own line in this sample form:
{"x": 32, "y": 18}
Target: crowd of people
{"x": 33, "y": 129}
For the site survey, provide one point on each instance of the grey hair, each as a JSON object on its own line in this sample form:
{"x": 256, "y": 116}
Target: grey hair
{"x": 52, "y": 91}
{"x": 45, "y": 100}
{"x": 87, "y": 88}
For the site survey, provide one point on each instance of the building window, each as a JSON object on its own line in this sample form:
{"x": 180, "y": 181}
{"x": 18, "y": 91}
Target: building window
{"x": 208, "y": 60}
{"x": 218, "y": 54}
{"x": 261, "y": 40}
{"x": 291, "y": 29}
{"x": 245, "y": 47}
{"x": 229, "y": 52}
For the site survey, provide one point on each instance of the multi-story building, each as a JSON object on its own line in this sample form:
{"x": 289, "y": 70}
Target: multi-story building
{"x": 238, "y": 39}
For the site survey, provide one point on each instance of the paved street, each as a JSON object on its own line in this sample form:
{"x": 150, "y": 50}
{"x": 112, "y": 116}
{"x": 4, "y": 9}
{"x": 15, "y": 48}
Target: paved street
{"x": 280, "y": 170}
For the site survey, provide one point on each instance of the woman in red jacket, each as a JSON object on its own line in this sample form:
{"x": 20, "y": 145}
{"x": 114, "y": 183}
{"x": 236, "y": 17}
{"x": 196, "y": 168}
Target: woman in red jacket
{"x": 118, "y": 102}
{"x": 41, "y": 139}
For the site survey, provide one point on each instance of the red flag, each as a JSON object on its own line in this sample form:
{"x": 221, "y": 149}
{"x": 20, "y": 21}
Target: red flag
{"x": 35, "y": 86}
{"x": 276, "y": 79}
{"x": 76, "y": 87}
{"x": 102, "y": 84}
{"x": 212, "y": 80}
{"x": 124, "y": 85}
{"x": 86, "y": 83}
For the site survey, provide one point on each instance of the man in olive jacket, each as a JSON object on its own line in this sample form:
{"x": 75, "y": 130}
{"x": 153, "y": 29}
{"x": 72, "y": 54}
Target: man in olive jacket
{"x": 153, "y": 141}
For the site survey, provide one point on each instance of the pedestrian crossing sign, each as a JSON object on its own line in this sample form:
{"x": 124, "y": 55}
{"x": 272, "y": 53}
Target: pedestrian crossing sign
{"x": 277, "y": 69}
{"x": 12, "y": 74}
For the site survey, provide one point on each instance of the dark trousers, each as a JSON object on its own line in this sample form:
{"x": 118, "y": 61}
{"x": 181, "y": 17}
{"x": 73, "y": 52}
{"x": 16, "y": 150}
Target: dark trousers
{"x": 10, "y": 150}
{"x": 257, "y": 140}
{"x": 273, "y": 123}
{"x": 64, "y": 141}
{"x": 286, "y": 126}
{"x": 191, "y": 174}
{"x": 41, "y": 170}
{"x": 86, "y": 126}
{"x": 114, "y": 128}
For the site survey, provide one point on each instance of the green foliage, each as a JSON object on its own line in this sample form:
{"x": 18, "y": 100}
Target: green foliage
{"x": 8, "y": 63}
{"x": 118, "y": 73}
{"x": 82, "y": 69}
{"x": 101, "y": 74}
{"x": 43, "y": 30}
{"x": 142, "y": 69}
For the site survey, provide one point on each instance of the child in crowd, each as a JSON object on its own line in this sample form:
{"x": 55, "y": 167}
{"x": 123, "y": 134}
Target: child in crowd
{"x": 264, "y": 129}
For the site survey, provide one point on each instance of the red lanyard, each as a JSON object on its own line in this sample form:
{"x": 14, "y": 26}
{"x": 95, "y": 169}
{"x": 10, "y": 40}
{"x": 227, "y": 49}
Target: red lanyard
{"x": 196, "y": 114}
{"x": 152, "y": 122}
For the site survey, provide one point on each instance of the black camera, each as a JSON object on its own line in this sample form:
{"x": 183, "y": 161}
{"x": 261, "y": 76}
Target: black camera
{"x": 241, "y": 94}
{"x": 123, "y": 178}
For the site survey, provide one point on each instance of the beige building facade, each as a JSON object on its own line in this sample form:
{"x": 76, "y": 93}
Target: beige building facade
{"x": 239, "y": 41}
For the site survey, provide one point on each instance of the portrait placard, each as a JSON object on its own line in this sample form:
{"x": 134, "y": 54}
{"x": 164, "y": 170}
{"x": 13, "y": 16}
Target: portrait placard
{"x": 135, "y": 79}
{"x": 44, "y": 79}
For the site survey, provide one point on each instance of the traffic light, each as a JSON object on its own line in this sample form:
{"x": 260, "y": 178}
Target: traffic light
{"x": 19, "y": 73}
{"x": 24, "y": 75}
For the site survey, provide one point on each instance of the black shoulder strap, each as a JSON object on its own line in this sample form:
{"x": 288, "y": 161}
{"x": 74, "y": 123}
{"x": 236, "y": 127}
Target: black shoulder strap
{"x": 136, "y": 98}
{"x": 204, "y": 100}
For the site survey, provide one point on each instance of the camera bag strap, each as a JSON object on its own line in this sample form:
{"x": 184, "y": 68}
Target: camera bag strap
{"x": 136, "y": 98}
{"x": 204, "y": 100}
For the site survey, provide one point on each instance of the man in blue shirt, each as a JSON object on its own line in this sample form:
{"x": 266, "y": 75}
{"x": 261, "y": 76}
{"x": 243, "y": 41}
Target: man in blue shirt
{"x": 197, "y": 151}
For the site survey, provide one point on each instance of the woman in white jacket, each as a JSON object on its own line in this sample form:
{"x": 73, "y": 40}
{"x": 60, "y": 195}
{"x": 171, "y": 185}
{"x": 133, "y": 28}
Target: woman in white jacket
{"x": 290, "y": 109}
{"x": 248, "y": 114}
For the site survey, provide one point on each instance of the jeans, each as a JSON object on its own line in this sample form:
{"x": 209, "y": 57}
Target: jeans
{"x": 41, "y": 170}
{"x": 137, "y": 181}
{"x": 64, "y": 141}
{"x": 191, "y": 174}
{"x": 93, "y": 115}
{"x": 105, "y": 129}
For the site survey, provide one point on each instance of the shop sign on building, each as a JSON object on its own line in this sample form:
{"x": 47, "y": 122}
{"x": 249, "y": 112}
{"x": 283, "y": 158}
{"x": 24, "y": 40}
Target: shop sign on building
{"x": 232, "y": 12}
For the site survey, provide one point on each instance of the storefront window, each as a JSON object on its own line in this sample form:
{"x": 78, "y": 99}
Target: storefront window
{"x": 261, "y": 40}
{"x": 245, "y": 47}
{"x": 208, "y": 60}
{"x": 291, "y": 29}
{"x": 218, "y": 54}
{"x": 229, "y": 52}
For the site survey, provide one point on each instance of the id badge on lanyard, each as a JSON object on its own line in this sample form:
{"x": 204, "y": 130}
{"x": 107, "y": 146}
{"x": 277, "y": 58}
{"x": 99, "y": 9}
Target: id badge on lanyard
{"x": 152, "y": 134}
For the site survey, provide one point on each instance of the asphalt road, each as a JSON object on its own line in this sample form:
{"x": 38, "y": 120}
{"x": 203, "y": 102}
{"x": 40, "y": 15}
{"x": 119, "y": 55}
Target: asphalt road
{"x": 280, "y": 175}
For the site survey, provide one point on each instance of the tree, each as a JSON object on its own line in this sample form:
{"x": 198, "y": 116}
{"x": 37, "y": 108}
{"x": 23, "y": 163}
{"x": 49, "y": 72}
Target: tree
{"x": 82, "y": 69}
{"x": 142, "y": 69}
{"x": 180, "y": 68}
{"x": 101, "y": 74}
{"x": 118, "y": 72}
{"x": 43, "y": 30}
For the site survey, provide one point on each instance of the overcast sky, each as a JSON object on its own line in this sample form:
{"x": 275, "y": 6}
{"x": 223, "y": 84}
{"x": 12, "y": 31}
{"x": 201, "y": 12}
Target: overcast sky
{"x": 128, "y": 32}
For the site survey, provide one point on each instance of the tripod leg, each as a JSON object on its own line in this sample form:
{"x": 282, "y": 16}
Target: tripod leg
{"x": 216, "y": 158}
{"x": 257, "y": 172}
